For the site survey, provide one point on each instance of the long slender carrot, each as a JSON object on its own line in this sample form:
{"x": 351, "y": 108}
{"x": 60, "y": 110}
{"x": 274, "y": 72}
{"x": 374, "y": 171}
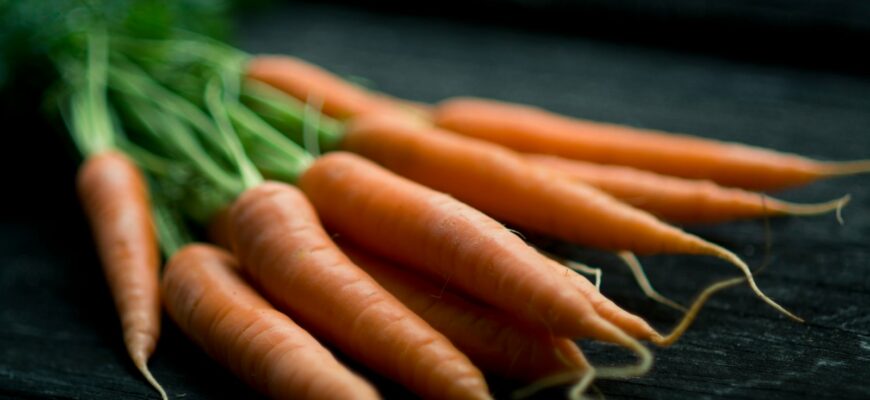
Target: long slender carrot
{"x": 211, "y": 303}
{"x": 533, "y": 130}
{"x": 339, "y": 98}
{"x": 491, "y": 340}
{"x": 679, "y": 199}
{"x": 584, "y": 324}
{"x": 432, "y": 232}
{"x": 279, "y": 241}
{"x": 115, "y": 198}
{"x": 501, "y": 183}
{"x": 284, "y": 109}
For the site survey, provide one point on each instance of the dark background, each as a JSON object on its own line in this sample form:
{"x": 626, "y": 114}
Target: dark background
{"x": 781, "y": 74}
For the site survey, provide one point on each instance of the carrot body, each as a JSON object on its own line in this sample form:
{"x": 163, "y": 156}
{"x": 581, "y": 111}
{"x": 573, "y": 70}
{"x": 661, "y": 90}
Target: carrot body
{"x": 491, "y": 340}
{"x": 212, "y": 304}
{"x": 444, "y": 238}
{"x": 115, "y": 198}
{"x": 504, "y": 185}
{"x": 218, "y": 229}
{"x": 308, "y": 82}
{"x": 678, "y": 199}
{"x": 532, "y": 130}
{"x": 284, "y": 250}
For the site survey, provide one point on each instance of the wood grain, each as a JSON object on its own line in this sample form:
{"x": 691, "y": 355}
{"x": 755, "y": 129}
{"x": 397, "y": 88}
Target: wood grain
{"x": 59, "y": 339}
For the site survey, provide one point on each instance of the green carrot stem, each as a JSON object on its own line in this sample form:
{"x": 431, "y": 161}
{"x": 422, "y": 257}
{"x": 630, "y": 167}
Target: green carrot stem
{"x": 216, "y": 105}
{"x": 132, "y": 80}
{"x": 97, "y": 105}
{"x": 148, "y": 161}
{"x": 287, "y": 114}
{"x": 171, "y": 230}
{"x": 178, "y": 135}
{"x": 84, "y": 110}
{"x": 270, "y": 150}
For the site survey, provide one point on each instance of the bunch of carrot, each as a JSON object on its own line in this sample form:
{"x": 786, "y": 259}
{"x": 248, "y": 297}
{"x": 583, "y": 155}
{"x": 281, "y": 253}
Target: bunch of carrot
{"x": 426, "y": 286}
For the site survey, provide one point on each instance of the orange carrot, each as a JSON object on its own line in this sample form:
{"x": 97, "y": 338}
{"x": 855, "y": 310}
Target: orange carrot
{"x": 212, "y": 304}
{"x": 533, "y": 130}
{"x": 115, "y": 198}
{"x": 442, "y": 237}
{"x": 491, "y": 340}
{"x": 502, "y": 184}
{"x": 284, "y": 250}
{"x": 679, "y": 199}
{"x": 218, "y": 229}
{"x": 502, "y": 348}
{"x": 340, "y": 99}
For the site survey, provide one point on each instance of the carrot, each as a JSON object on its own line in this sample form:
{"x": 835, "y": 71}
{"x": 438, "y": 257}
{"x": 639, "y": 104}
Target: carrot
{"x": 218, "y": 229}
{"x": 115, "y": 198}
{"x": 434, "y": 233}
{"x": 278, "y": 239}
{"x": 491, "y": 341}
{"x": 212, "y": 304}
{"x": 281, "y": 109}
{"x": 679, "y": 199}
{"x": 581, "y": 320}
{"x": 502, "y": 184}
{"x": 532, "y": 130}
{"x": 340, "y": 99}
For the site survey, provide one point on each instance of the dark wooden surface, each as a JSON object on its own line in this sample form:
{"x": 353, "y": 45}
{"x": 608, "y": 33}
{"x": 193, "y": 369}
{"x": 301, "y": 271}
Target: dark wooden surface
{"x": 59, "y": 336}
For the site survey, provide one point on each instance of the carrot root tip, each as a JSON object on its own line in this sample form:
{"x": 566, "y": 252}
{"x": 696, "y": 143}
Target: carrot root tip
{"x": 640, "y": 277}
{"x": 581, "y": 379}
{"x": 694, "y": 309}
{"x": 835, "y": 205}
{"x": 585, "y": 269}
{"x": 736, "y": 261}
{"x": 847, "y": 168}
{"x": 142, "y": 366}
{"x": 840, "y": 204}
{"x": 643, "y": 354}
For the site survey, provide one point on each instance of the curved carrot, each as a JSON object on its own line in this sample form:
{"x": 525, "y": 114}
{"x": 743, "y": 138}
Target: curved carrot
{"x": 340, "y": 99}
{"x": 679, "y": 199}
{"x": 490, "y": 340}
{"x": 212, "y": 304}
{"x": 432, "y": 232}
{"x": 502, "y": 184}
{"x": 533, "y": 130}
{"x": 278, "y": 239}
{"x": 115, "y": 198}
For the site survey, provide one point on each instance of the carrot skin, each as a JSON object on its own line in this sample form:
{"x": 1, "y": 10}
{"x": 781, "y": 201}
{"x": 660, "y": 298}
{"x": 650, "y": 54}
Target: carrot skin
{"x": 211, "y": 303}
{"x": 308, "y": 82}
{"x": 484, "y": 175}
{"x": 218, "y": 229}
{"x": 533, "y": 130}
{"x": 673, "y": 198}
{"x": 284, "y": 250}
{"x": 114, "y": 196}
{"x": 491, "y": 340}
{"x": 447, "y": 240}
{"x": 502, "y": 184}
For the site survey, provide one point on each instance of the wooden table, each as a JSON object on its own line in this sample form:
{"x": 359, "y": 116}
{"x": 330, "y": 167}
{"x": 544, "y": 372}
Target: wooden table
{"x": 59, "y": 337}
